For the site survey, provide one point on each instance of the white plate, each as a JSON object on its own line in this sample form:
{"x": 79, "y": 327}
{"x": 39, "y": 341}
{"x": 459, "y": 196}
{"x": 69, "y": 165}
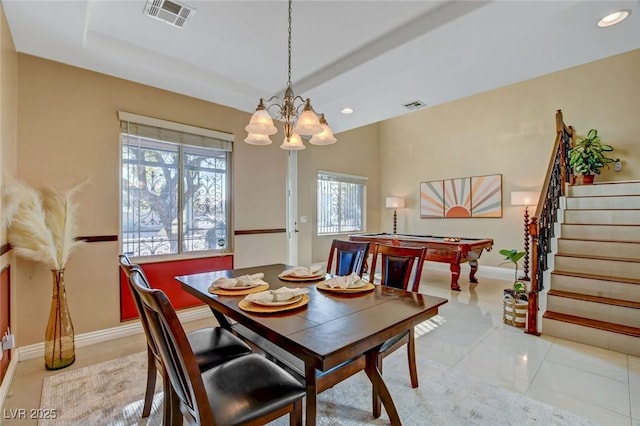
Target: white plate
{"x": 358, "y": 284}
{"x": 294, "y": 299}
{"x": 237, "y": 286}
{"x": 302, "y": 277}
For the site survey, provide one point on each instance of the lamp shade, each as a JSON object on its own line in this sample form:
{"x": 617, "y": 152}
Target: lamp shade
{"x": 524, "y": 198}
{"x": 325, "y": 137}
{"x": 254, "y": 139}
{"x": 308, "y": 123}
{"x": 395, "y": 202}
{"x": 261, "y": 123}
{"x": 294, "y": 143}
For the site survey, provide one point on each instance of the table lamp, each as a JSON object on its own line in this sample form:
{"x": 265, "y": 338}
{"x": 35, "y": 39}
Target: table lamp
{"x": 526, "y": 199}
{"x": 395, "y": 203}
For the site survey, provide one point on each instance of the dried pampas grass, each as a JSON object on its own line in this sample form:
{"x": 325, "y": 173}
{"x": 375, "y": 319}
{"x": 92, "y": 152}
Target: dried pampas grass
{"x": 42, "y": 225}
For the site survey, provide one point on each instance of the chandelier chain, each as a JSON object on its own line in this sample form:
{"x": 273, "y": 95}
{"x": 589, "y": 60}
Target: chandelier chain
{"x": 294, "y": 112}
{"x": 289, "y": 50}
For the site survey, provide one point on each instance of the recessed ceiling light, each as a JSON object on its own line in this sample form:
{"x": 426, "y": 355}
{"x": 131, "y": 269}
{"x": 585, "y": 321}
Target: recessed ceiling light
{"x": 347, "y": 110}
{"x": 614, "y": 18}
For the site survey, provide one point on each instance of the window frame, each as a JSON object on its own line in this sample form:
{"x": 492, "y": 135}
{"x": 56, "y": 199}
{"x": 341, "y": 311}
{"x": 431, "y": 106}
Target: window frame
{"x": 195, "y": 138}
{"x": 342, "y": 178}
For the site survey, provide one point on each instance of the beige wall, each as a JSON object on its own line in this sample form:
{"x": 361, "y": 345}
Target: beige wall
{"x": 356, "y": 153}
{"x": 68, "y": 130}
{"x": 8, "y": 106}
{"x": 509, "y": 131}
{"x": 8, "y": 127}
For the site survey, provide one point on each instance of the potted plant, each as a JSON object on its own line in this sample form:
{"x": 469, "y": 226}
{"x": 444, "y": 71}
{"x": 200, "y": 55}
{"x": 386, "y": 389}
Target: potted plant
{"x": 588, "y": 156}
{"x": 516, "y": 301}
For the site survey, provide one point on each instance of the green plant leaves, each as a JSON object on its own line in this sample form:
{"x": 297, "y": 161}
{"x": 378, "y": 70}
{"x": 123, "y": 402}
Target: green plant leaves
{"x": 512, "y": 255}
{"x": 519, "y": 287}
{"x": 587, "y": 156}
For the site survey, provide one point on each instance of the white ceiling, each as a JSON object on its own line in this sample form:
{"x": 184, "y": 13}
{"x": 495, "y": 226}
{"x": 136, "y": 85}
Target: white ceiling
{"x": 373, "y": 56}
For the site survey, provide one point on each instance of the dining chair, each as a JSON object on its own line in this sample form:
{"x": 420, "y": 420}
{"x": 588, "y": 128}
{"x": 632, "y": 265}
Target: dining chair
{"x": 245, "y": 390}
{"x": 350, "y": 257}
{"x": 396, "y": 267}
{"x": 211, "y": 346}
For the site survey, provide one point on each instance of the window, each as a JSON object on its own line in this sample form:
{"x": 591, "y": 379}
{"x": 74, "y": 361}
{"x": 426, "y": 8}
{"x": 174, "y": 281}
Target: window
{"x": 341, "y": 203}
{"x": 175, "y": 188}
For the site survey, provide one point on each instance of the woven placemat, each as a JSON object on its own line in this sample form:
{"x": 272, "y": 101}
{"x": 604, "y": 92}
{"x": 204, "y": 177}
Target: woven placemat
{"x": 252, "y": 307}
{"x": 325, "y": 287}
{"x": 224, "y": 292}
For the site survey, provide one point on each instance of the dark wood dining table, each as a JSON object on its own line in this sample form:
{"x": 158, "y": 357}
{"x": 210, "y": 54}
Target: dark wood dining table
{"x": 331, "y": 330}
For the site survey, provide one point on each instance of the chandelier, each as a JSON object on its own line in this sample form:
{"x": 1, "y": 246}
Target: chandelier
{"x": 294, "y": 112}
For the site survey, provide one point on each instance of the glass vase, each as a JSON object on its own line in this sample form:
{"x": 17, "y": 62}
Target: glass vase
{"x": 59, "y": 345}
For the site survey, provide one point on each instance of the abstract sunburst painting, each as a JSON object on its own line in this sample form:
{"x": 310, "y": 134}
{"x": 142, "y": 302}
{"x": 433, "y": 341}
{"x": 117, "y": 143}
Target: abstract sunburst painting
{"x": 431, "y": 199}
{"x": 486, "y": 200}
{"x": 457, "y": 197}
{"x": 477, "y": 196}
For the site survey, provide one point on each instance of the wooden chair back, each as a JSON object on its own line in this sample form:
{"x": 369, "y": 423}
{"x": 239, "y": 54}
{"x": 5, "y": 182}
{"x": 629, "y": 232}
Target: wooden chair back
{"x": 350, "y": 257}
{"x": 397, "y": 264}
{"x": 175, "y": 350}
{"x": 127, "y": 266}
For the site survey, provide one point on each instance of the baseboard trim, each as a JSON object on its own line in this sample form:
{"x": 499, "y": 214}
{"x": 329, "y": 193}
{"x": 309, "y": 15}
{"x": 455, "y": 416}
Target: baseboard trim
{"x": 8, "y": 378}
{"x": 85, "y": 339}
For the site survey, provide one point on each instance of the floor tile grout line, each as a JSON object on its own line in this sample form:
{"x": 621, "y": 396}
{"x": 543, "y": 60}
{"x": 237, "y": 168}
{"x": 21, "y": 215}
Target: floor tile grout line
{"x": 594, "y": 404}
{"x": 544, "y": 358}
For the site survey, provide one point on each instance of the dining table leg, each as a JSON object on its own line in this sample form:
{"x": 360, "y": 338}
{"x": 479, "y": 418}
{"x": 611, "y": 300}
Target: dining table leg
{"x": 222, "y": 320}
{"x": 379, "y": 389}
{"x": 310, "y": 412}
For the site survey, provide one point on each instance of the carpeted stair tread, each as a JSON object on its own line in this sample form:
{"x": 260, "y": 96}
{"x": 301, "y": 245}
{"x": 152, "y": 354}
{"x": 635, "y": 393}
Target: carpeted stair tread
{"x": 590, "y": 256}
{"x": 595, "y": 299}
{"x": 597, "y": 277}
{"x": 591, "y": 323}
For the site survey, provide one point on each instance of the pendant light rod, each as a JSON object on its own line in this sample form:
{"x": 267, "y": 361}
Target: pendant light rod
{"x": 297, "y": 120}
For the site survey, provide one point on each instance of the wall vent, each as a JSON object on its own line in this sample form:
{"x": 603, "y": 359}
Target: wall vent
{"x": 414, "y": 105}
{"x": 168, "y": 11}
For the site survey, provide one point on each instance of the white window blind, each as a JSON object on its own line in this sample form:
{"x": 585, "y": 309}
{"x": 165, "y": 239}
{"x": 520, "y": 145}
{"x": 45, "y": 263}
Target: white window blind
{"x": 169, "y": 131}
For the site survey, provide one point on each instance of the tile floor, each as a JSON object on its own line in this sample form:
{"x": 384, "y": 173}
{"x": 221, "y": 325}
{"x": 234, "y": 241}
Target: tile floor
{"x": 468, "y": 335}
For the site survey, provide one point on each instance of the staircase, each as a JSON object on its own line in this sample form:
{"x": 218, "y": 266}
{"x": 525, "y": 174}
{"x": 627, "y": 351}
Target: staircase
{"x": 594, "y": 291}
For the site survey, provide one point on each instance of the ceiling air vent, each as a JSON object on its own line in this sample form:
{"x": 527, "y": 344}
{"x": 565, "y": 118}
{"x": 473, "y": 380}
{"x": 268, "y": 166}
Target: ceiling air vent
{"x": 414, "y": 105}
{"x": 168, "y": 11}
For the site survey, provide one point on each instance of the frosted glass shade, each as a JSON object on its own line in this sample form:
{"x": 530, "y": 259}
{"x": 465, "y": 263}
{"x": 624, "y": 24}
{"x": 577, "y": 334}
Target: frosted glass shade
{"x": 254, "y": 139}
{"x": 294, "y": 143}
{"x": 261, "y": 123}
{"x": 394, "y": 203}
{"x": 308, "y": 123}
{"x": 325, "y": 137}
{"x": 524, "y": 198}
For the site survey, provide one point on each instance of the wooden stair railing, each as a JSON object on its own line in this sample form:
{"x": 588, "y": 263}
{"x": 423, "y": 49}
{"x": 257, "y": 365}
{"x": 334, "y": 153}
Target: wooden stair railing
{"x": 541, "y": 227}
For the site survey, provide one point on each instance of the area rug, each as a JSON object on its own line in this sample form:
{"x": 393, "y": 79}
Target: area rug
{"x": 111, "y": 393}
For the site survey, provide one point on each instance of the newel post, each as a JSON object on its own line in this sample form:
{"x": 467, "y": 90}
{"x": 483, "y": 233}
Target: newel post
{"x": 532, "y": 312}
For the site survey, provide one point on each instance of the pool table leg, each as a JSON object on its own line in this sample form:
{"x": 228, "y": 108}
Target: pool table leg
{"x": 455, "y": 274}
{"x": 474, "y": 269}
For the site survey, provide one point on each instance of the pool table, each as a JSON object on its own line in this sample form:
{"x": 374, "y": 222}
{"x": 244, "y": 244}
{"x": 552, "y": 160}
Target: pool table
{"x": 451, "y": 250}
